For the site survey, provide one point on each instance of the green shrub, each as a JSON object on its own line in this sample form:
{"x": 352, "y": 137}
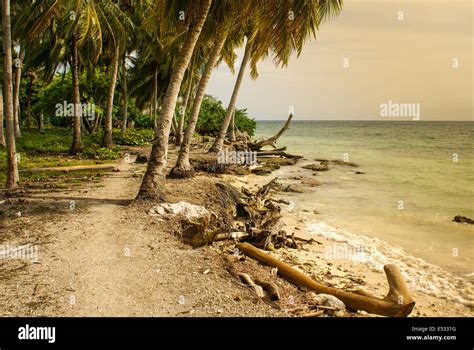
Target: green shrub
{"x": 96, "y": 152}
{"x": 212, "y": 114}
{"x": 134, "y": 137}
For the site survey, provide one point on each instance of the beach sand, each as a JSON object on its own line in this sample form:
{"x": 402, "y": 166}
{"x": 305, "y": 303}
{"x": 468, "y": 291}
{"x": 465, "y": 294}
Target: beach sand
{"x": 320, "y": 261}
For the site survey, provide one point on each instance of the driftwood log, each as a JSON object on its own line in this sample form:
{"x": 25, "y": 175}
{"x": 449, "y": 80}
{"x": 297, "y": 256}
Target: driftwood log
{"x": 397, "y": 303}
{"x": 271, "y": 141}
{"x": 257, "y": 146}
{"x": 248, "y": 280}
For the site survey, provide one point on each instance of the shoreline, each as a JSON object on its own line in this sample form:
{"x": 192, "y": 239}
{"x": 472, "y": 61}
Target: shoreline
{"x": 338, "y": 263}
{"x": 130, "y": 245}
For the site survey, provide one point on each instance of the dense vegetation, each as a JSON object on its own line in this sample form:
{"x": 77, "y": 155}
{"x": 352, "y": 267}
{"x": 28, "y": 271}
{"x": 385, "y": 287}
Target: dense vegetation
{"x": 103, "y": 69}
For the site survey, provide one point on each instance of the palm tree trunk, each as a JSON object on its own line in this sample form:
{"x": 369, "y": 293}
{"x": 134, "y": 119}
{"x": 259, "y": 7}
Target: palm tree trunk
{"x": 76, "y": 100}
{"x": 232, "y": 127}
{"x": 219, "y": 141}
{"x": 155, "y": 97}
{"x": 182, "y": 114}
{"x": 41, "y": 123}
{"x": 12, "y": 166}
{"x": 156, "y": 168}
{"x": 16, "y": 93}
{"x": 107, "y": 137}
{"x": 2, "y": 136}
{"x": 183, "y": 168}
{"x": 28, "y": 115}
{"x": 174, "y": 126}
{"x": 125, "y": 96}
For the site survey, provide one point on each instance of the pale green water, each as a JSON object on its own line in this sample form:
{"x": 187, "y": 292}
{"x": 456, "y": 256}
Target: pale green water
{"x": 403, "y": 161}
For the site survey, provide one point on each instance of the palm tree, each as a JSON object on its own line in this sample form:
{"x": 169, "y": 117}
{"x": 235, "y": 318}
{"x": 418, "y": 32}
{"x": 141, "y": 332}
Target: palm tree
{"x": 152, "y": 65}
{"x": 219, "y": 140}
{"x": 223, "y": 16}
{"x": 84, "y": 25}
{"x": 188, "y": 88}
{"x": 32, "y": 75}
{"x": 124, "y": 94}
{"x": 117, "y": 25}
{"x": 18, "y": 63}
{"x": 12, "y": 166}
{"x": 272, "y": 29}
{"x": 2, "y": 136}
{"x": 197, "y": 13}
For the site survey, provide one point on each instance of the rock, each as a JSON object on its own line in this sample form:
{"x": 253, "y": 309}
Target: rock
{"x": 459, "y": 218}
{"x": 194, "y": 220}
{"x": 263, "y": 170}
{"x": 322, "y": 166}
{"x": 359, "y": 172}
{"x": 332, "y": 301}
{"x": 141, "y": 159}
{"x": 342, "y": 162}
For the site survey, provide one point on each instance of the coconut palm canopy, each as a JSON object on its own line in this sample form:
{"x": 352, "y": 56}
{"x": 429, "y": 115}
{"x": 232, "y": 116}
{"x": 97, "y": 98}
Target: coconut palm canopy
{"x": 154, "y": 56}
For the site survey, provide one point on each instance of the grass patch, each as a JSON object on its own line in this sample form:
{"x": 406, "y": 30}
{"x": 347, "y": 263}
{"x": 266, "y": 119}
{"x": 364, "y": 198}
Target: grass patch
{"x": 50, "y": 150}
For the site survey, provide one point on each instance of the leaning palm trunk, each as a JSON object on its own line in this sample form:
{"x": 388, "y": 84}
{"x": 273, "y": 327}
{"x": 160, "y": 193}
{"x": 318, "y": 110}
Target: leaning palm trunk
{"x": 155, "y": 97}
{"x": 16, "y": 93}
{"x": 219, "y": 141}
{"x": 125, "y": 97}
{"x": 12, "y": 166}
{"x": 2, "y": 136}
{"x": 184, "y": 107}
{"x": 155, "y": 172}
{"x": 107, "y": 137}
{"x": 183, "y": 168}
{"x": 232, "y": 128}
{"x": 76, "y": 137}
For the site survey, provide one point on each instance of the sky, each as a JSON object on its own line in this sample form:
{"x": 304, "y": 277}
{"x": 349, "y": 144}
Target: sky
{"x": 375, "y": 53}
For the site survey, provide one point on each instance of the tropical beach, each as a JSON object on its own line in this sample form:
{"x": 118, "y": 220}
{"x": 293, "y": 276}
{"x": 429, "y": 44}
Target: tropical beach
{"x": 229, "y": 159}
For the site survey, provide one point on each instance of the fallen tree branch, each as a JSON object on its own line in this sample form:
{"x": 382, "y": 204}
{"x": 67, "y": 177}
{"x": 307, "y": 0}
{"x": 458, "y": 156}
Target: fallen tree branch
{"x": 397, "y": 303}
{"x": 233, "y": 235}
{"x": 271, "y": 141}
{"x": 271, "y": 288}
{"x": 248, "y": 280}
{"x": 312, "y": 314}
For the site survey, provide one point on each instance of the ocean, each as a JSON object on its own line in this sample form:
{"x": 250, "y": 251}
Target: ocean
{"x": 416, "y": 177}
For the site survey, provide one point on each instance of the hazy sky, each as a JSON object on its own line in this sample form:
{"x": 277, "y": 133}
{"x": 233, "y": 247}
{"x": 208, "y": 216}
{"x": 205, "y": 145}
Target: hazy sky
{"x": 405, "y": 61}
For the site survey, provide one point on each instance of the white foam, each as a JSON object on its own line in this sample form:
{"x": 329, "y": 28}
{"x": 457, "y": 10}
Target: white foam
{"x": 420, "y": 275}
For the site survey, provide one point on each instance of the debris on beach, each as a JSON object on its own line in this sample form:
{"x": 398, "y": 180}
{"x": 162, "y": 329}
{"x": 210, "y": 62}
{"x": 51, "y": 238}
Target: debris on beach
{"x": 322, "y": 166}
{"x": 397, "y": 303}
{"x": 463, "y": 219}
{"x": 193, "y": 220}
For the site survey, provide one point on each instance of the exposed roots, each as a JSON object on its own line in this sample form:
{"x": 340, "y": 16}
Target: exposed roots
{"x": 180, "y": 172}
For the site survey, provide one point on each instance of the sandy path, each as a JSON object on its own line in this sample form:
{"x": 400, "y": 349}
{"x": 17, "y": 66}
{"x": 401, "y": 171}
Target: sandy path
{"x": 106, "y": 258}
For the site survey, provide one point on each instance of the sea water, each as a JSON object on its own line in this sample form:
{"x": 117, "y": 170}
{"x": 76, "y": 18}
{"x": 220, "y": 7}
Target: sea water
{"x": 416, "y": 177}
